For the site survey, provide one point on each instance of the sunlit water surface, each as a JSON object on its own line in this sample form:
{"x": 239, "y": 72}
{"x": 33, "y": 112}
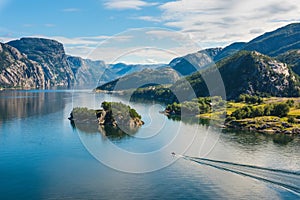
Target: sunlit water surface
{"x": 43, "y": 157}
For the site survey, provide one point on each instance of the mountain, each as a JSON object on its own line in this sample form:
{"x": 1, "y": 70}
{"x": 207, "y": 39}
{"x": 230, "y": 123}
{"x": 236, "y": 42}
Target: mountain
{"x": 18, "y": 71}
{"x": 191, "y": 63}
{"x": 43, "y": 63}
{"x": 51, "y": 56}
{"x": 276, "y": 42}
{"x": 89, "y": 73}
{"x": 229, "y": 50}
{"x": 247, "y": 72}
{"x": 272, "y": 44}
{"x": 121, "y": 69}
{"x": 142, "y": 78}
{"x": 188, "y": 64}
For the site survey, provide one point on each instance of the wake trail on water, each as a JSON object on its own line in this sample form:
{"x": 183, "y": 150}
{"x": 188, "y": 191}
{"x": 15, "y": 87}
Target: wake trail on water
{"x": 288, "y": 180}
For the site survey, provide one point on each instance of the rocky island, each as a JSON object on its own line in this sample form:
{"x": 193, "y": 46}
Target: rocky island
{"x": 114, "y": 114}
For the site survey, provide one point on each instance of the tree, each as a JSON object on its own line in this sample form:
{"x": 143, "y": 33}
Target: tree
{"x": 280, "y": 110}
{"x": 290, "y": 103}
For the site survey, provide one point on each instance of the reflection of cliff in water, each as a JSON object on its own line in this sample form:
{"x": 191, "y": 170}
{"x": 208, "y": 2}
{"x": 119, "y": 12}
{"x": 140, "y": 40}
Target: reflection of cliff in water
{"x": 110, "y": 132}
{"x": 22, "y": 104}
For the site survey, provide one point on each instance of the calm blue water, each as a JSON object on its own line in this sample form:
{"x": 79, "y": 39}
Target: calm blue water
{"x": 43, "y": 157}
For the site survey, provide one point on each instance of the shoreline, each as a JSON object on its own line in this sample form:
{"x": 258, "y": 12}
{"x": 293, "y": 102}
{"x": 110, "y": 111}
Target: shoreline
{"x": 267, "y": 124}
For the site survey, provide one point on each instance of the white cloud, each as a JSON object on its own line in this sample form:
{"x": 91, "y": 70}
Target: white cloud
{"x": 127, "y": 4}
{"x": 222, "y": 22}
{"x": 149, "y": 18}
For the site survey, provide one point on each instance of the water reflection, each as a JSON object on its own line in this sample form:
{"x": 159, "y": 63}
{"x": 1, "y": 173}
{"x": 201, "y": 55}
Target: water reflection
{"x": 22, "y": 104}
{"x": 190, "y": 120}
{"x": 255, "y": 138}
{"x": 115, "y": 133}
{"x": 110, "y": 132}
{"x": 282, "y": 139}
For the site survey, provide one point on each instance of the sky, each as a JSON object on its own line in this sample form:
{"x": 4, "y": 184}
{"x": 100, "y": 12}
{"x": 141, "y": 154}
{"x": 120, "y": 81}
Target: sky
{"x": 143, "y": 31}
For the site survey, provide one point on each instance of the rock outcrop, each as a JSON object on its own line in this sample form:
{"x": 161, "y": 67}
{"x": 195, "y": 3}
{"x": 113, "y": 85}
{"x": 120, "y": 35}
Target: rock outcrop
{"x": 250, "y": 73}
{"x": 17, "y": 71}
{"x": 89, "y": 73}
{"x": 50, "y": 55}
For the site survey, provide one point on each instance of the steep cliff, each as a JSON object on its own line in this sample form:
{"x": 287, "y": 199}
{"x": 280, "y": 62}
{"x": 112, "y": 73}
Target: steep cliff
{"x": 17, "y": 71}
{"x": 51, "y": 56}
{"x": 251, "y": 73}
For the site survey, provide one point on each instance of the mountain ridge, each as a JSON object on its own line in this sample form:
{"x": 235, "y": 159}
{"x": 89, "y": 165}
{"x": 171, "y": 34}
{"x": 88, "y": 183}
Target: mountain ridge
{"x": 49, "y": 65}
{"x": 245, "y": 72}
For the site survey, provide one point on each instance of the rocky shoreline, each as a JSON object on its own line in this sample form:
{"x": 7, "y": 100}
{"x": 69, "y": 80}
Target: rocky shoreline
{"x": 267, "y": 125}
{"x": 271, "y": 125}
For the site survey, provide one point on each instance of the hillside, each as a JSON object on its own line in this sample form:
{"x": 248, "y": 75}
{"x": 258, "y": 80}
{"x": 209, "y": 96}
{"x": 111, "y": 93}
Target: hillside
{"x": 142, "y": 78}
{"x": 250, "y": 73}
{"x": 277, "y": 42}
{"x": 191, "y": 63}
{"x": 292, "y": 58}
{"x": 272, "y": 44}
{"x": 242, "y": 73}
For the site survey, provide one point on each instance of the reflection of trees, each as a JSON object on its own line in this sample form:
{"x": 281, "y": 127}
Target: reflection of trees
{"x": 238, "y": 136}
{"x": 90, "y": 128}
{"x": 22, "y": 104}
{"x": 255, "y": 138}
{"x": 190, "y": 119}
{"x": 110, "y": 132}
{"x": 116, "y": 133}
{"x": 282, "y": 139}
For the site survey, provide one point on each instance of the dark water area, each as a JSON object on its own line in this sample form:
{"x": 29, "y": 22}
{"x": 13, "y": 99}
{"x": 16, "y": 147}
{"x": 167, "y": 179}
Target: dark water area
{"x": 42, "y": 156}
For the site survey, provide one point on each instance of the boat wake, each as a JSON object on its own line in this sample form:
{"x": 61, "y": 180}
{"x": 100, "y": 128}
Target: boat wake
{"x": 288, "y": 180}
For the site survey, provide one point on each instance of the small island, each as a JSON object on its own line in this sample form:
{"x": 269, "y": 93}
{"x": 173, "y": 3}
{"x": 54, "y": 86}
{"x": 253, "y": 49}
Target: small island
{"x": 115, "y": 114}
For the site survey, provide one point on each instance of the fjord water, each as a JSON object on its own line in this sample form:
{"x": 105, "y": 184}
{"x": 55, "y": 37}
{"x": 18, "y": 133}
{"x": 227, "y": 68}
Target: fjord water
{"x": 42, "y": 156}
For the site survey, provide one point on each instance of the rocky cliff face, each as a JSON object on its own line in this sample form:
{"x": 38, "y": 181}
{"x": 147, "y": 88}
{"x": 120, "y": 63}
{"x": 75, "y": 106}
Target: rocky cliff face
{"x": 88, "y": 73}
{"x": 251, "y": 73}
{"x": 42, "y": 63}
{"x": 292, "y": 58}
{"x": 18, "y": 71}
{"x": 51, "y": 56}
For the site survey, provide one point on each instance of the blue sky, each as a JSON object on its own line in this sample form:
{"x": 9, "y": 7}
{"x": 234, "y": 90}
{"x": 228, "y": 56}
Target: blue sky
{"x": 81, "y": 25}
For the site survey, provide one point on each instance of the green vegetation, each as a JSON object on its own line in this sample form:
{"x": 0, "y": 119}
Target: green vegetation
{"x": 276, "y": 109}
{"x": 117, "y": 108}
{"x": 250, "y": 99}
{"x": 197, "y": 106}
{"x": 158, "y": 93}
{"x": 268, "y": 115}
{"x": 83, "y": 114}
{"x": 144, "y": 78}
